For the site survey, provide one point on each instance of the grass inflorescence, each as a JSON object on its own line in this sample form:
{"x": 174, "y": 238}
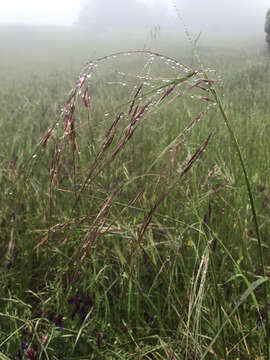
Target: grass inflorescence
{"x": 126, "y": 229}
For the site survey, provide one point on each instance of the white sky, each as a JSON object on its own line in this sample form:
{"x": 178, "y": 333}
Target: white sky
{"x": 58, "y": 12}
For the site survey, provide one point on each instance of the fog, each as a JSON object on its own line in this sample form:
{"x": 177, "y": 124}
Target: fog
{"x": 242, "y": 16}
{"x": 224, "y": 16}
{"x": 101, "y": 15}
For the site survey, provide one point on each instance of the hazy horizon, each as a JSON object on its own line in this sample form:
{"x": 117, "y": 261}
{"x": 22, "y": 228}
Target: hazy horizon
{"x": 208, "y": 15}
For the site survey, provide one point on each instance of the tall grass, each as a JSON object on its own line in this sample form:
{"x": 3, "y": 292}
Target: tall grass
{"x": 126, "y": 232}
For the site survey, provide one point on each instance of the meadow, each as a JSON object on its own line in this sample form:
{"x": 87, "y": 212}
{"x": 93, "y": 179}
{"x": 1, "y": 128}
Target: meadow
{"x": 126, "y": 223}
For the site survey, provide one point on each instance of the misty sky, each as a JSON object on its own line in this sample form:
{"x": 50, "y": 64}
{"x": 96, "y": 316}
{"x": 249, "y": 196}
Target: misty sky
{"x": 197, "y": 13}
{"x": 57, "y": 12}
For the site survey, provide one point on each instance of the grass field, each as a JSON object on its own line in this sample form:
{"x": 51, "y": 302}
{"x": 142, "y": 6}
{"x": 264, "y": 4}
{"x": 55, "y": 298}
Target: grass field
{"x": 126, "y": 225}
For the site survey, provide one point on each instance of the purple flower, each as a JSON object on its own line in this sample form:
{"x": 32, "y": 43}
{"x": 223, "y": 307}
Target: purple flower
{"x": 13, "y": 163}
{"x": 70, "y": 279}
{"x": 31, "y": 354}
{"x": 59, "y": 321}
{"x": 82, "y": 305}
{"x": 76, "y": 300}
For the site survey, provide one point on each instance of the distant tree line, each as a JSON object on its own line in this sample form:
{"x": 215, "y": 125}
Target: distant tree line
{"x": 267, "y": 28}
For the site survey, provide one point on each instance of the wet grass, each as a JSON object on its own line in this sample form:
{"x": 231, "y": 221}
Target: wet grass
{"x": 126, "y": 227}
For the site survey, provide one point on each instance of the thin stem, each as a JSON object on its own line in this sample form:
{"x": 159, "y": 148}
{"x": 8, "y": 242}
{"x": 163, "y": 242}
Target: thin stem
{"x": 253, "y": 209}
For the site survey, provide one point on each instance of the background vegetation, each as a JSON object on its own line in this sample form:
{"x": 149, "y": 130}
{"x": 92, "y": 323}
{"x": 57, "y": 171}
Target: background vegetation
{"x": 126, "y": 228}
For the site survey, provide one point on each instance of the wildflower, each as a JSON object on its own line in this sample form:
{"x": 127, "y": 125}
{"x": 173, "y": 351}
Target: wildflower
{"x": 31, "y": 354}
{"x": 13, "y": 163}
{"x": 82, "y": 305}
{"x": 76, "y": 300}
{"x": 59, "y": 321}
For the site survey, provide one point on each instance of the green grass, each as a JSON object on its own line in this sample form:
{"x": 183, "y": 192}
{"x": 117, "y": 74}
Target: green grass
{"x": 140, "y": 247}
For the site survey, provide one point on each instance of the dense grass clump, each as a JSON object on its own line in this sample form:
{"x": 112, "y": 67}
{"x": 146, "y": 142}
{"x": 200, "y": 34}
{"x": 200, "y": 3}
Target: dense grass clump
{"x": 127, "y": 231}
